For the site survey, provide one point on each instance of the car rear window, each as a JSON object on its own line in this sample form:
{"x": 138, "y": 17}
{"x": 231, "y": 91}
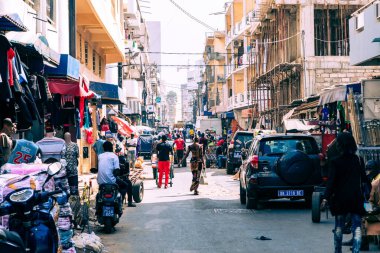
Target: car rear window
{"x": 281, "y": 146}
{"x": 244, "y": 137}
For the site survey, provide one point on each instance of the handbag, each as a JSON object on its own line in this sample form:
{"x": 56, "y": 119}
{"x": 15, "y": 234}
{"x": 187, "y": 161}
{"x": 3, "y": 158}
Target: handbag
{"x": 203, "y": 180}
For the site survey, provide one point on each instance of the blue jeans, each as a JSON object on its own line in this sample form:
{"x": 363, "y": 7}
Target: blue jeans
{"x": 220, "y": 157}
{"x": 356, "y": 230}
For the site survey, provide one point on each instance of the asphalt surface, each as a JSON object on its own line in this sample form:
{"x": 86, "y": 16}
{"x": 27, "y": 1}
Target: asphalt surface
{"x": 174, "y": 220}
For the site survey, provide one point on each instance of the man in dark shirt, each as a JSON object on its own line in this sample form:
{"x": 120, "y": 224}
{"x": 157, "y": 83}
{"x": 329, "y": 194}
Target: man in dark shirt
{"x": 164, "y": 149}
{"x": 204, "y": 142}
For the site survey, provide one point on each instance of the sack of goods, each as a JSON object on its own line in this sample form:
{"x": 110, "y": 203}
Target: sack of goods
{"x": 88, "y": 243}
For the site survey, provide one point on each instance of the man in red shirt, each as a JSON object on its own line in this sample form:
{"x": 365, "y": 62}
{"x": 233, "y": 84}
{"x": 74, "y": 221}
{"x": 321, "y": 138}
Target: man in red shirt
{"x": 180, "y": 147}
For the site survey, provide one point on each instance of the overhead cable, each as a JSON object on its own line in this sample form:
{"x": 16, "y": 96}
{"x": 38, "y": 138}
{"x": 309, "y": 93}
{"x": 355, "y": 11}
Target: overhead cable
{"x": 192, "y": 17}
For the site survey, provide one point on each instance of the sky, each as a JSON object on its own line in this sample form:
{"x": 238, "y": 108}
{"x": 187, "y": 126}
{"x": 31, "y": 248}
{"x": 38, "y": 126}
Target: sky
{"x": 179, "y": 33}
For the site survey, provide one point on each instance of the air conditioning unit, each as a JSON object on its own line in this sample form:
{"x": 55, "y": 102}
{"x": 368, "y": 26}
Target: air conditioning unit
{"x": 359, "y": 21}
{"x": 208, "y": 49}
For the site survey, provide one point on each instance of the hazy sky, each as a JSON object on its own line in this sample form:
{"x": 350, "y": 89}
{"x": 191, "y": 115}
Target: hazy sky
{"x": 179, "y": 33}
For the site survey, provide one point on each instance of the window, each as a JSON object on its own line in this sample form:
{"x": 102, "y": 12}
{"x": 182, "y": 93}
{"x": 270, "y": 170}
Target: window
{"x": 100, "y": 66}
{"x": 277, "y": 147}
{"x": 50, "y": 11}
{"x": 86, "y": 52}
{"x": 93, "y": 61}
{"x": 29, "y": 2}
{"x": 80, "y": 48}
{"x": 359, "y": 21}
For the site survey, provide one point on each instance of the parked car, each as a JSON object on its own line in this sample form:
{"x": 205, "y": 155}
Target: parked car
{"x": 279, "y": 166}
{"x": 238, "y": 141}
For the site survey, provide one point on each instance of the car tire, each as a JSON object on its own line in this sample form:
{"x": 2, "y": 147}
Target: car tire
{"x": 230, "y": 168}
{"x": 295, "y": 167}
{"x": 316, "y": 207}
{"x": 138, "y": 191}
{"x": 251, "y": 203}
{"x": 242, "y": 195}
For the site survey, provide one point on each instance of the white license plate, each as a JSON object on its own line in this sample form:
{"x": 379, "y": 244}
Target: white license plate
{"x": 290, "y": 193}
{"x": 108, "y": 211}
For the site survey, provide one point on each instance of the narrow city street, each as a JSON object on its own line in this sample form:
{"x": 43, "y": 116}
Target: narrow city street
{"x": 174, "y": 220}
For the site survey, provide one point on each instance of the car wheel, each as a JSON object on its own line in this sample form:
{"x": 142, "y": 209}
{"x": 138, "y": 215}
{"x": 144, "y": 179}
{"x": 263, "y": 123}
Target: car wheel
{"x": 295, "y": 167}
{"x": 316, "y": 207}
{"x": 230, "y": 168}
{"x": 251, "y": 203}
{"x": 242, "y": 195}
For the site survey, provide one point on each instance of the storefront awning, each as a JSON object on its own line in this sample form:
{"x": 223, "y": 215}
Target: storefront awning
{"x": 34, "y": 45}
{"x": 338, "y": 93}
{"x": 111, "y": 94}
{"x": 69, "y": 87}
{"x": 68, "y": 68}
{"x": 12, "y": 22}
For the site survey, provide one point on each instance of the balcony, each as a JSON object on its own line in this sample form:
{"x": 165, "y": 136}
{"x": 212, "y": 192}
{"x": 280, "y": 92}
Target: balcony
{"x": 133, "y": 24}
{"x": 97, "y": 18}
{"x": 130, "y": 8}
{"x": 230, "y": 104}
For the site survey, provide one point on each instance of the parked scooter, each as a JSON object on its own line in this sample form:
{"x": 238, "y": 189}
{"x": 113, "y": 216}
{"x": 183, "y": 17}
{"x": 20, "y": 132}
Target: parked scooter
{"x": 108, "y": 206}
{"x": 32, "y": 227}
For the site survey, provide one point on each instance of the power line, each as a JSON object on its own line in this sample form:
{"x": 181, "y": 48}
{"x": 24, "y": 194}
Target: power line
{"x": 185, "y": 53}
{"x": 192, "y": 17}
{"x": 181, "y": 65}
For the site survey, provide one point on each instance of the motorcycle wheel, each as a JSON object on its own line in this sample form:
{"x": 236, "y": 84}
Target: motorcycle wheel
{"x": 108, "y": 227}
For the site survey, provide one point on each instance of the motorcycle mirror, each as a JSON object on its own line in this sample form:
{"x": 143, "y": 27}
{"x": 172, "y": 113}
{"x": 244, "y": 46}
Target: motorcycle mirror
{"x": 54, "y": 168}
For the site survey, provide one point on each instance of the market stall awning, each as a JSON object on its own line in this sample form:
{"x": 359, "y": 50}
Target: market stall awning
{"x": 69, "y": 87}
{"x": 296, "y": 125}
{"x": 338, "y": 93}
{"x": 68, "y": 68}
{"x": 110, "y": 93}
{"x": 34, "y": 45}
{"x": 12, "y": 22}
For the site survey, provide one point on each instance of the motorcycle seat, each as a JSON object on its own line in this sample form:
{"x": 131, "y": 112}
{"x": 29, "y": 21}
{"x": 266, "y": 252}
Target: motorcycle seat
{"x": 11, "y": 237}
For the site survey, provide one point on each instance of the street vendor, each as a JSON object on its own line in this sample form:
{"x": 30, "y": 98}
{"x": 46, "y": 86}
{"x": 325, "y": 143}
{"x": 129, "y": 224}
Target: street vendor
{"x": 132, "y": 144}
{"x": 6, "y": 143}
{"x": 196, "y": 163}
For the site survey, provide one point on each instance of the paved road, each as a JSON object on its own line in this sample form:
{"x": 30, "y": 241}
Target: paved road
{"x": 173, "y": 220}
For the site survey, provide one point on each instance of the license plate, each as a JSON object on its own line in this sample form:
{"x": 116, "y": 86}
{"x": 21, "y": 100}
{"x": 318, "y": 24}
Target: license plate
{"x": 290, "y": 193}
{"x": 108, "y": 211}
{"x": 237, "y": 154}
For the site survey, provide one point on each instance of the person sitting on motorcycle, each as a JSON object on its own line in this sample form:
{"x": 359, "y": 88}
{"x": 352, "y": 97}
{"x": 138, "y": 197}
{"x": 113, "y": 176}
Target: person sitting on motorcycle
{"x": 109, "y": 170}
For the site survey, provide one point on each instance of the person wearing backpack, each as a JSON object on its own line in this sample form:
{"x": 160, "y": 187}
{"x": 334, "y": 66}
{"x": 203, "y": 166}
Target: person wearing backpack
{"x": 345, "y": 191}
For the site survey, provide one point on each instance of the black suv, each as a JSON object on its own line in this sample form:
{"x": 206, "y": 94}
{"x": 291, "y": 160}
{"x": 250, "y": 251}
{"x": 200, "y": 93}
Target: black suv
{"x": 279, "y": 166}
{"x": 240, "y": 140}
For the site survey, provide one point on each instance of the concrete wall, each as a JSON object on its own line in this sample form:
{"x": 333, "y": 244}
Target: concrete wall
{"x": 362, "y": 49}
{"x": 325, "y": 71}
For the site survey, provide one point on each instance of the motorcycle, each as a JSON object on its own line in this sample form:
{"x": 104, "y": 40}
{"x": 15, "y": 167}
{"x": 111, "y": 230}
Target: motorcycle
{"x": 108, "y": 206}
{"x": 32, "y": 227}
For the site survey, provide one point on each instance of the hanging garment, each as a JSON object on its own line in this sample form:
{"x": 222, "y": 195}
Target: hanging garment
{"x": 24, "y": 152}
{"x": 67, "y": 102}
{"x": 6, "y": 76}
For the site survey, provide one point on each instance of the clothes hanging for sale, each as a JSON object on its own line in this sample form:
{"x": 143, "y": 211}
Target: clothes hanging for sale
{"x": 6, "y": 74}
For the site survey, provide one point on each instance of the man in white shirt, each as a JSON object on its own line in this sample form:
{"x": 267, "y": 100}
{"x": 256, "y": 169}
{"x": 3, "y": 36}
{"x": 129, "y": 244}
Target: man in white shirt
{"x": 109, "y": 169}
{"x": 131, "y": 145}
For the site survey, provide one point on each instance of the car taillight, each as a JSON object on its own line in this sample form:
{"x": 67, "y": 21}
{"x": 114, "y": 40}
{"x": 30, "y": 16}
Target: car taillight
{"x": 107, "y": 196}
{"x": 255, "y": 162}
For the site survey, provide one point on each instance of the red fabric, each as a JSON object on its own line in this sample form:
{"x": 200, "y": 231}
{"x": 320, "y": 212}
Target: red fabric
{"x": 180, "y": 144}
{"x": 10, "y": 55}
{"x": 163, "y": 167}
{"x": 123, "y": 126}
{"x": 89, "y": 138}
{"x": 220, "y": 142}
{"x": 105, "y": 127}
{"x": 69, "y": 87}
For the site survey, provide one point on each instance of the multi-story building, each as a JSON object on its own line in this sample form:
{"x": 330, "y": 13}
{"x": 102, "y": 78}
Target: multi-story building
{"x": 187, "y": 100}
{"x": 214, "y": 58}
{"x": 194, "y": 88}
{"x": 286, "y": 50}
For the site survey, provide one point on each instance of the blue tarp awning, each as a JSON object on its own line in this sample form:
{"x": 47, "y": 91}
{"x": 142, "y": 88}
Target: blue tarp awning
{"x": 68, "y": 68}
{"x": 12, "y": 22}
{"x": 110, "y": 93}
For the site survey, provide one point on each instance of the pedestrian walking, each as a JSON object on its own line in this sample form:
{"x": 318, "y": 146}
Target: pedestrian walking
{"x": 180, "y": 147}
{"x": 71, "y": 155}
{"x": 345, "y": 193}
{"x": 196, "y": 163}
{"x": 164, "y": 150}
{"x": 204, "y": 142}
